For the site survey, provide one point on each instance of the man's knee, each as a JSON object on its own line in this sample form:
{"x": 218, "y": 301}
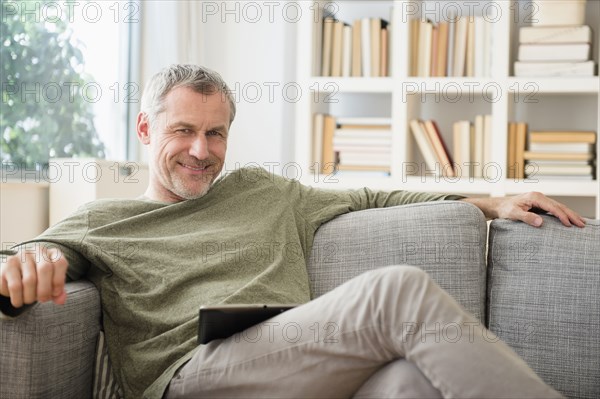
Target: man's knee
{"x": 397, "y": 275}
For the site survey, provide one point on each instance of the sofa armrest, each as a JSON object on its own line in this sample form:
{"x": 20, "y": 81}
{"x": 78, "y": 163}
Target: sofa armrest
{"x": 48, "y": 351}
{"x": 447, "y": 239}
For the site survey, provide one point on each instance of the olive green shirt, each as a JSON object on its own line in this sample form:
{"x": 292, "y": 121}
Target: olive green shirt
{"x": 155, "y": 264}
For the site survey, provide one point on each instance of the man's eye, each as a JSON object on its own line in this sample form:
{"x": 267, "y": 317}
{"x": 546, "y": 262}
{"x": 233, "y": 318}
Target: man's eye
{"x": 212, "y": 133}
{"x": 186, "y": 131}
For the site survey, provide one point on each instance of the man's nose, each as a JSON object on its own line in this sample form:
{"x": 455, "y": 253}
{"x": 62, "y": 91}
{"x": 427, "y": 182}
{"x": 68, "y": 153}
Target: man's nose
{"x": 199, "y": 147}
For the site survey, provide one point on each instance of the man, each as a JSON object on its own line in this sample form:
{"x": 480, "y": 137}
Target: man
{"x": 185, "y": 234}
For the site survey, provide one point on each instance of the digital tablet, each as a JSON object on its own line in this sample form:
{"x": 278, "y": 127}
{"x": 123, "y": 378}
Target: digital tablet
{"x": 222, "y": 321}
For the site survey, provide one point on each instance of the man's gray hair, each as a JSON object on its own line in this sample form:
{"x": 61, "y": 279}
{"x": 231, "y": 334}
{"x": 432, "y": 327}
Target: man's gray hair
{"x": 200, "y": 79}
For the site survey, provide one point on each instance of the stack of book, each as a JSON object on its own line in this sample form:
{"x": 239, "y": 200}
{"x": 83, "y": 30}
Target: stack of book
{"x": 352, "y": 144}
{"x": 473, "y": 147}
{"x": 554, "y": 46}
{"x": 360, "y": 50}
{"x": 458, "y": 47}
{"x": 561, "y": 155}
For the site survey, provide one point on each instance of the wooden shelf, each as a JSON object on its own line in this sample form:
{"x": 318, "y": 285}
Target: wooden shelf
{"x": 351, "y": 85}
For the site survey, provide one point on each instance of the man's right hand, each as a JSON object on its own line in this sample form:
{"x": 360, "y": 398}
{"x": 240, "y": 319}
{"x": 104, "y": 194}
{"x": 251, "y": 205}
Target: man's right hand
{"x": 31, "y": 276}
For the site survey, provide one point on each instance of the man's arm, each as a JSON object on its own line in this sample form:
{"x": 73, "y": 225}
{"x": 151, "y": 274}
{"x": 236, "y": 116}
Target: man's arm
{"x": 519, "y": 207}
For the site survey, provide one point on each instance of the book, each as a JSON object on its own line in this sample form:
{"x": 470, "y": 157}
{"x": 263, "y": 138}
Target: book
{"x": 356, "y": 49}
{"x": 557, "y": 156}
{"x": 548, "y": 69}
{"x": 415, "y": 25}
{"x": 424, "y": 51}
{"x": 326, "y": 47}
{"x": 487, "y": 144}
{"x": 538, "y": 176}
{"x": 511, "y": 150}
{"x": 558, "y": 12}
{"x": 439, "y": 147}
{"x": 445, "y": 147}
{"x": 555, "y": 136}
{"x": 366, "y": 148}
{"x": 317, "y": 142}
{"x": 462, "y": 147}
{"x": 554, "y": 52}
{"x": 328, "y": 160}
{"x": 520, "y": 145}
{"x": 487, "y": 48}
{"x": 480, "y": 47}
{"x": 442, "y": 49}
{"x": 563, "y": 170}
{"x": 361, "y": 173}
{"x": 346, "y": 50}
{"x": 555, "y": 34}
{"x": 460, "y": 47}
{"x": 434, "y": 51}
{"x": 478, "y": 147}
{"x": 561, "y": 147}
{"x": 318, "y": 42}
{"x": 558, "y": 163}
{"x": 366, "y": 46}
{"x": 364, "y": 133}
{"x": 359, "y": 141}
{"x": 347, "y": 126}
{"x": 451, "y": 43}
{"x": 363, "y": 160}
{"x": 364, "y": 121}
{"x": 423, "y": 143}
{"x": 470, "y": 55}
{"x": 363, "y": 168}
{"x": 383, "y": 64}
{"x": 336, "y": 49}
{"x": 375, "y": 46}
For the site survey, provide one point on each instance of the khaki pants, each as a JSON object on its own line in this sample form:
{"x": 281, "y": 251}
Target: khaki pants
{"x": 388, "y": 333}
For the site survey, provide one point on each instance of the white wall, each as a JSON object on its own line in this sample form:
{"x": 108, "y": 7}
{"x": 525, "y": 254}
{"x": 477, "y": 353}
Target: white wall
{"x": 23, "y": 211}
{"x": 253, "y": 48}
{"x": 254, "y": 58}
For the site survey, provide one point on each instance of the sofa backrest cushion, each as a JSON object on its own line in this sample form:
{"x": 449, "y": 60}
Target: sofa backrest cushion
{"x": 544, "y": 300}
{"x": 445, "y": 238}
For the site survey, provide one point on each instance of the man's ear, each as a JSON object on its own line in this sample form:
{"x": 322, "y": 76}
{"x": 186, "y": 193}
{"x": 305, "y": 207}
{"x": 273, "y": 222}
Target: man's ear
{"x": 143, "y": 128}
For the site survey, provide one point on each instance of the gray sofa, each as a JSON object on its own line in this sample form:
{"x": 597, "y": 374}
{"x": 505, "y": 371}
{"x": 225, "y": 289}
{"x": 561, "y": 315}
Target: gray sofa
{"x": 537, "y": 288}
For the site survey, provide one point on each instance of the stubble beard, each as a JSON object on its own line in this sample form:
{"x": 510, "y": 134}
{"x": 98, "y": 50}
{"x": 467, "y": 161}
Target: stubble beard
{"x": 183, "y": 188}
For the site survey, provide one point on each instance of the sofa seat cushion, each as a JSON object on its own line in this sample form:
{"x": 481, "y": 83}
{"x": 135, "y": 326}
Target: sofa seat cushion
{"x": 543, "y": 292}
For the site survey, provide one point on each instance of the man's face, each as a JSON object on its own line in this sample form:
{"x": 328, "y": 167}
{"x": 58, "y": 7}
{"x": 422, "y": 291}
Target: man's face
{"x": 187, "y": 144}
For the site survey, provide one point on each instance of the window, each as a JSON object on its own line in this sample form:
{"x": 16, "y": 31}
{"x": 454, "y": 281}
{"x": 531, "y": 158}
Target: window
{"x": 68, "y": 82}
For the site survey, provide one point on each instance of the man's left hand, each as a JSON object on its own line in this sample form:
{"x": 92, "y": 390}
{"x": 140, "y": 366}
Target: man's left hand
{"x": 519, "y": 208}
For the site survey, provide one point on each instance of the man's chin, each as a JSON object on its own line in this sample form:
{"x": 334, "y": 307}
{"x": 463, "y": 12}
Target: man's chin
{"x": 192, "y": 194}
{"x": 189, "y": 193}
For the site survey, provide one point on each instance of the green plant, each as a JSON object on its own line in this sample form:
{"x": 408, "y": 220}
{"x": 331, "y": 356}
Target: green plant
{"x": 44, "y": 112}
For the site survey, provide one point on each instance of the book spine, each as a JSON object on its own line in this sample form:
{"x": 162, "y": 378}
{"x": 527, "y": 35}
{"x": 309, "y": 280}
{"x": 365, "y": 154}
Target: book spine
{"x": 347, "y": 51}
{"x": 327, "y": 42}
{"x": 356, "y": 49}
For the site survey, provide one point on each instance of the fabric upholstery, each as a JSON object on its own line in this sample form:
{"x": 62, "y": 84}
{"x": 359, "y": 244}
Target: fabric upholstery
{"x": 46, "y": 352}
{"x": 105, "y": 385}
{"x": 544, "y": 300}
{"x": 447, "y": 239}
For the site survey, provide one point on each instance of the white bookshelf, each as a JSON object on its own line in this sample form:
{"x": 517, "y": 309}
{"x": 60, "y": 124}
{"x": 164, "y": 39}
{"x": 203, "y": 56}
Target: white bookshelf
{"x": 544, "y": 103}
